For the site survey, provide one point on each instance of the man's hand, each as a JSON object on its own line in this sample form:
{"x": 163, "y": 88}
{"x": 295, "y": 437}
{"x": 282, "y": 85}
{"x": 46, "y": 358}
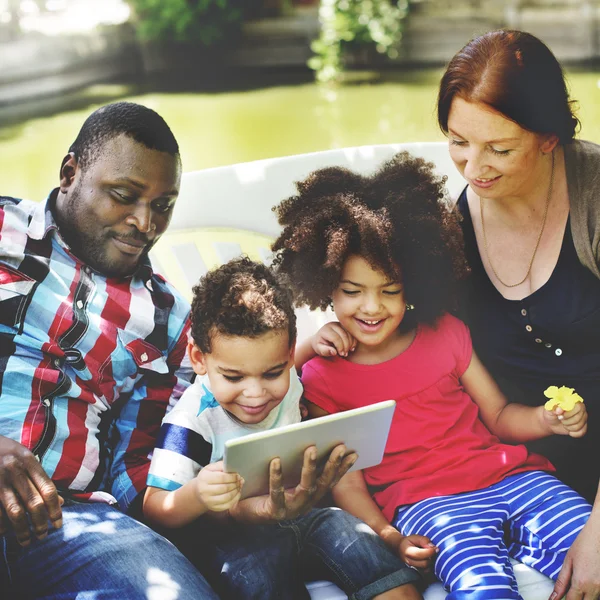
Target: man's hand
{"x": 332, "y": 339}
{"x": 418, "y": 551}
{"x": 579, "y": 577}
{"x": 27, "y": 495}
{"x": 572, "y": 423}
{"x": 281, "y": 504}
{"x": 217, "y": 490}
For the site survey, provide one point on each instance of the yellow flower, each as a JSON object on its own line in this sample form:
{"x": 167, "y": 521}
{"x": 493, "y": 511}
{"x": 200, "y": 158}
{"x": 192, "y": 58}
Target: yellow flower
{"x": 563, "y": 397}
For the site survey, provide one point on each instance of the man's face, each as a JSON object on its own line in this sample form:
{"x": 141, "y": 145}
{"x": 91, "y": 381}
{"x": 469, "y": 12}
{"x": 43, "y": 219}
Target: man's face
{"x": 114, "y": 210}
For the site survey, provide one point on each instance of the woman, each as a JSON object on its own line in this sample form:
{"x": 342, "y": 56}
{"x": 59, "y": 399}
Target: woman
{"x": 532, "y": 230}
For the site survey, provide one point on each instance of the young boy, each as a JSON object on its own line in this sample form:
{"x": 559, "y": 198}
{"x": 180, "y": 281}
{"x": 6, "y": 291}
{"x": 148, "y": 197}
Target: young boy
{"x": 244, "y": 331}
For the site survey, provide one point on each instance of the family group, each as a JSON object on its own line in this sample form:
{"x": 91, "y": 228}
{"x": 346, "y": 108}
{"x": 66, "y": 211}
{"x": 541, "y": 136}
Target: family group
{"x": 480, "y": 318}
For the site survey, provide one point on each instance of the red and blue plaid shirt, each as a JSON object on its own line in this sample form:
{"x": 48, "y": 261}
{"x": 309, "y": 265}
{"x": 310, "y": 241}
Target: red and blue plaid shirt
{"x": 88, "y": 364}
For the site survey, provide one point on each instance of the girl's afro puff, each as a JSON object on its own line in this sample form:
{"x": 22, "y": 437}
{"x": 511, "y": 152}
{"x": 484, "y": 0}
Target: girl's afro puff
{"x": 397, "y": 219}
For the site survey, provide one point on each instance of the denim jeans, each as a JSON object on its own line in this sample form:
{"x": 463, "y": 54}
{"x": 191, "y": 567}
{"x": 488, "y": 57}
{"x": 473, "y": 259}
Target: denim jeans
{"x": 98, "y": 554}
{"x": 272, "y": 562}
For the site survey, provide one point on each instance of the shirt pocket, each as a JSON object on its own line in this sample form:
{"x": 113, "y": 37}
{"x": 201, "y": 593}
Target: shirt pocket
{"x": 16, "y": 290}
{"x": 136, "y": 356}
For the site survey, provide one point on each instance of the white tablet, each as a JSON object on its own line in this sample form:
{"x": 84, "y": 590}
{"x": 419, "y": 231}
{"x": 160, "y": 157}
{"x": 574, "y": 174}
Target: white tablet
{"x": 363, "y": 430}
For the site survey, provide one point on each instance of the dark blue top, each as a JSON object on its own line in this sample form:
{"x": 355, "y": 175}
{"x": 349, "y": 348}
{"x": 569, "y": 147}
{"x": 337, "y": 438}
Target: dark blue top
{"x": 551, "y": 337}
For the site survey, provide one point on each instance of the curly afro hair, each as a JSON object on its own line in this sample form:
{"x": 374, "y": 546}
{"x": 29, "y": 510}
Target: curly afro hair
{"x": 397, "y": 219}
{"x": 241, "y": 298}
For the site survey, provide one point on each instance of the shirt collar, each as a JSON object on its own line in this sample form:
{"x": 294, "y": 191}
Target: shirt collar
{"x": 43, "y": 223}
{"x": 42, "y": 220}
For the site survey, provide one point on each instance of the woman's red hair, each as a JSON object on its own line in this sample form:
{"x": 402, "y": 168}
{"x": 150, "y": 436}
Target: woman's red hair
{"x": 516, "y": 74}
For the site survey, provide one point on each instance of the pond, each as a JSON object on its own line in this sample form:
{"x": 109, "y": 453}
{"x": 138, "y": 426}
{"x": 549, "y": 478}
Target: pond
{"x": 223, "y": 128}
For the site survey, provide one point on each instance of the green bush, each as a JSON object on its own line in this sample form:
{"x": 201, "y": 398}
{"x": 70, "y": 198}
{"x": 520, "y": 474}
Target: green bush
{"x": 347, "y": 25}
{"x": 207, "y": 22}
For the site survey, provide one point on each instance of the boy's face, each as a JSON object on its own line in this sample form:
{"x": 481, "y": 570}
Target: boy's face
{"x": 249, "y": 377}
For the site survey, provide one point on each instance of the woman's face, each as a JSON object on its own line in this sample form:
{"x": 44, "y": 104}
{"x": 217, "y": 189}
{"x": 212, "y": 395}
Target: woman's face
{"x": 496, "y": 156}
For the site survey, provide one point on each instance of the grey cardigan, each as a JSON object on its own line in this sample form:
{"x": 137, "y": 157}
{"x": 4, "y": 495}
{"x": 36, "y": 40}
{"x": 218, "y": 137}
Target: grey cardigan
{"x": 582, "y": 163}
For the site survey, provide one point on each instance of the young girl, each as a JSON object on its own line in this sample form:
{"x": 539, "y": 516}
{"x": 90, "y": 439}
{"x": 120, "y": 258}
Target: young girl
{"x": 385, "y": 252}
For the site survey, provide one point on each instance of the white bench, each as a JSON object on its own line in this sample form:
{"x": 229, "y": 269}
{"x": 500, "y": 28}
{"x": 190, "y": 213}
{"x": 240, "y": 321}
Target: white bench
{"x": 225, "y": 211}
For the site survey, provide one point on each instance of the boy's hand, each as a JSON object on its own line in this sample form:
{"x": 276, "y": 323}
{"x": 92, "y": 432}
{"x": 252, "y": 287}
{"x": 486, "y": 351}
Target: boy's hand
{"x": 418, "y": 551}
{"x": 281, "y": 504}
{"x": 332, "y": 339}
{"x": 217, "y": 490}
{"x": 572, "y": 423}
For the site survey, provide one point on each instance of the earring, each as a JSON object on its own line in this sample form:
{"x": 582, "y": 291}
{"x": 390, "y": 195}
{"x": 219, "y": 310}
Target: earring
{"x": 410, "y": 307}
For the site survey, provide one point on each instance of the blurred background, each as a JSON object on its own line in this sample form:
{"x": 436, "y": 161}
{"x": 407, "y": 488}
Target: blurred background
{"x": 240, "y": 80}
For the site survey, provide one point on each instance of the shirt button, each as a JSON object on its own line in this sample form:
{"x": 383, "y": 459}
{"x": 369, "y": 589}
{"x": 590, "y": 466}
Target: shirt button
{"x": 144, "y": 357}
{"x": 548, "y": 345}
{"x": 523, "y": 312}
{"x": 538, "y": 341}
{"x": 79, "y": 304}
{"x": 558, "y": 352}
{"x": 529, "y": 327}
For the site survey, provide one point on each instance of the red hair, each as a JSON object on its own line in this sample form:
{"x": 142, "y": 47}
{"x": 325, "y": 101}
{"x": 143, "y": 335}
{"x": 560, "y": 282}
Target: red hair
{"x": 516, "y": 74}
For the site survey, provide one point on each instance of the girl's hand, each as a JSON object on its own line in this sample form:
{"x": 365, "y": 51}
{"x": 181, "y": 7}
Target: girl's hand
{"x": 217, "y": 490}
{"x": 418, "y": 551}
{"x": 572, "y": 423}
{"x": 332, "y": 339}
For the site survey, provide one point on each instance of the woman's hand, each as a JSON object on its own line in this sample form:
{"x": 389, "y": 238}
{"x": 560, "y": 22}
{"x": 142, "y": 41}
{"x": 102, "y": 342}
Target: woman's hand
{"x": 572, "y": 423}
{"x": 332, "y": 339}
{"x": 579, "y": 577}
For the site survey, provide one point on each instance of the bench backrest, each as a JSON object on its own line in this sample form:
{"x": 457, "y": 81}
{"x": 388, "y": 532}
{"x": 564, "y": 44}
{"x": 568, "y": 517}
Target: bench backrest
{"x": 226, "y": 211}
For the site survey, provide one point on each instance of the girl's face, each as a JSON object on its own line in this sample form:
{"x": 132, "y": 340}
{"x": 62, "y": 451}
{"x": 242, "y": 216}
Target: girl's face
{"x": 367, "y": 303}
{"x": 496, "y": 156}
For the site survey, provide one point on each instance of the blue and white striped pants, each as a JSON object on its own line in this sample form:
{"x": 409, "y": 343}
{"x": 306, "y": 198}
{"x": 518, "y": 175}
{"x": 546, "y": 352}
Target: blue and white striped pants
{"x": 538, "y": 516}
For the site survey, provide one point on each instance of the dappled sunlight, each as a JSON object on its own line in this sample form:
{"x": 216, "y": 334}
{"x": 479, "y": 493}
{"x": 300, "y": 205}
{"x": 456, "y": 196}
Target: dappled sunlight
{"x": 161, "y": 585}
{"x": 442, "y": 520}
{"x": 88, "y": 522}
{"x": 364, "y": 528}
{"x": 494, "y": 566}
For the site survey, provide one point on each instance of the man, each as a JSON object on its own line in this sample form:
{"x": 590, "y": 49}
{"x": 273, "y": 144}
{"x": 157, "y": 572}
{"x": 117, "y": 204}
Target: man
{"x": 91, "y": 346}
{"x": 91, "y": 350}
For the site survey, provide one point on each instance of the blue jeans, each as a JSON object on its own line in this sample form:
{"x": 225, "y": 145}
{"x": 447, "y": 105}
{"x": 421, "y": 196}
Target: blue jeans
{"x": 272, "y": 562}
{"x": 98, "y": 554}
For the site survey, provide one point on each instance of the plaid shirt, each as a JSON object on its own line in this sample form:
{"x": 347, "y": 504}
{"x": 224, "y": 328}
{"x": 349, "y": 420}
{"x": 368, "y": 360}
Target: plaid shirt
{"x": 88, "y": 364}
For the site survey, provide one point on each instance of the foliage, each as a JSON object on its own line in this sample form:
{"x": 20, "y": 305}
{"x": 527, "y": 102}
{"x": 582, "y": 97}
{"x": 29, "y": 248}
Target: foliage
{"x": 207, "y": 22}
{"x": 349, "y": 24}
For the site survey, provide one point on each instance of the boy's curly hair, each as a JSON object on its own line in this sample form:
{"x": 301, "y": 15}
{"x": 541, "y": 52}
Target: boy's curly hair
{"x": 397, "y": 219}
{"x": 241, "y": 298}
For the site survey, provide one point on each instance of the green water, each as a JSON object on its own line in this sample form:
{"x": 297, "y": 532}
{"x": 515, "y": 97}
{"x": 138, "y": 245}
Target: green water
{"x": 222, "y": 128}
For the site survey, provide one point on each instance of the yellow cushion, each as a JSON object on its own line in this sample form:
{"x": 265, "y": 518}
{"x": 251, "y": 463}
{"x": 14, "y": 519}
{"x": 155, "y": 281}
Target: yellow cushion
{"x": 206, "y": 240}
